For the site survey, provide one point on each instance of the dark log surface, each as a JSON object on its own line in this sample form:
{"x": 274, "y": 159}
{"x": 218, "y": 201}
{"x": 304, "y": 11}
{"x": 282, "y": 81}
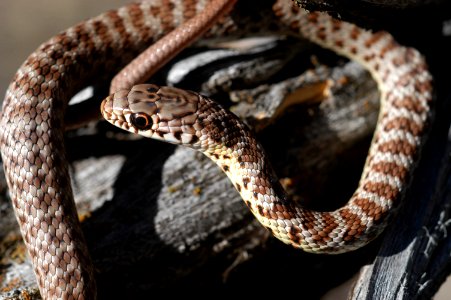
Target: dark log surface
{"x": 158, "y": 216}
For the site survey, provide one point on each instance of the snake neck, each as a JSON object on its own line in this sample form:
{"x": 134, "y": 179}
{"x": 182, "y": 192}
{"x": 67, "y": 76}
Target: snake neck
{"x": 190, "y": 119}
{"x": 233, "y": 147}
{"x": 32, "y": 123}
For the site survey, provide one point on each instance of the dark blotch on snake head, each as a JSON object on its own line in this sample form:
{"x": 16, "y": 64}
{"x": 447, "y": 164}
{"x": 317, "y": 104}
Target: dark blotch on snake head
{"x": 141, "y": 121}
{"x": 152, "y": 88}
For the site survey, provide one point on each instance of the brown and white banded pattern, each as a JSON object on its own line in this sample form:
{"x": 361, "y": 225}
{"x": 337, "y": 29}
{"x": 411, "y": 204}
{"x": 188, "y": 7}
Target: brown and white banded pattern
{"x": 32, "y": 125}
{"x": 181, "y": 117}
{"x": 31, "y": 135}
{"x": 406, "y": 95}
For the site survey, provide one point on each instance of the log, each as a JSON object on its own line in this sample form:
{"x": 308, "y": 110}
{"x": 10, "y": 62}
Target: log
{"x": 159, "y": 216}
{"x": 163, "y": 217}
{"x": 401, "y": 18}
{"x": 386, "y": 4}
{"x": 414, "y": 257}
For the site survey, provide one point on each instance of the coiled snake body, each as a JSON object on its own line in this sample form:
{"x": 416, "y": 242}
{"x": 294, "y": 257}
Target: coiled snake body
{"x": 31, "y": 134}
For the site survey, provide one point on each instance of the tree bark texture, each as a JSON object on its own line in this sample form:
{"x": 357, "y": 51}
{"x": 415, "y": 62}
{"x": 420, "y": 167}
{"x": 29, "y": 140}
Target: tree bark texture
{"x": 162, "y": 217}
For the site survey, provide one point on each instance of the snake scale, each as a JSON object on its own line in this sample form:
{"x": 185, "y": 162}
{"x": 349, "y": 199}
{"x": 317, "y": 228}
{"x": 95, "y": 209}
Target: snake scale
{"x": 32, "y": 125}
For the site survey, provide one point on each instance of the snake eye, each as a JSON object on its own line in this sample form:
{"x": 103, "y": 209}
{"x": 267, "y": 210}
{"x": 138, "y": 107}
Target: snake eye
{"x": 141, "y": 121}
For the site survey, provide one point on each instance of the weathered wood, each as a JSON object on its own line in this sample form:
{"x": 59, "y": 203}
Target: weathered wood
{"x": 393, "y": 4}
{"x": 414, "y": 258}
{"x": 410, "y": 20}
{"x": 157, "y": 216}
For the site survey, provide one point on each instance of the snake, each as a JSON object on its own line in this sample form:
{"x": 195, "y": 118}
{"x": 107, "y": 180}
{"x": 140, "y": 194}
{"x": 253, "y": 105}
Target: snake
{"x": 34, "y": 157}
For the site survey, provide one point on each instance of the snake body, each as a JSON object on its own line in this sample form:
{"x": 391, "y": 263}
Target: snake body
{"x": 32, "y": 148}
{"x": 32, "y": 126}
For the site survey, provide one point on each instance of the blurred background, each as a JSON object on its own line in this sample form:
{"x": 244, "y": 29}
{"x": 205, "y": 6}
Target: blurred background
{"x": 27, "y": 24}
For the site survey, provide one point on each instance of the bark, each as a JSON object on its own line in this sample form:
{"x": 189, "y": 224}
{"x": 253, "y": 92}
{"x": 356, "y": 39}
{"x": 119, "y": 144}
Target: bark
{"x": 409, "y": 18}
{"x": 158, "y": 216}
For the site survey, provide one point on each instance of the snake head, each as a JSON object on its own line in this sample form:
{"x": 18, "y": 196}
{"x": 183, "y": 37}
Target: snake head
{"x": 163, "y": 113}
